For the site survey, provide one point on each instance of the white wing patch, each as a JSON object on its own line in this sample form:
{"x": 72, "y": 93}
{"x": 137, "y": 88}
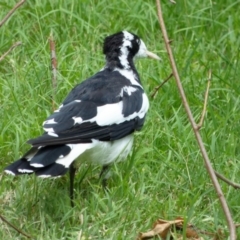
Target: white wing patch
{"x": 106, "y": 115}
{"x": 111, "y": 113}
{"x": 50, "y": 121}
{"x": 128, "y": 89}
{"x": 77, "y": 120}
{"x": 50, "y": 132}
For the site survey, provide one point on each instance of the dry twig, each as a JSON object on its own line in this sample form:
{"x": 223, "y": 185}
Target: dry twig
{"x": 54, "y": 68}
{"x": 233, "y": 184}
{"x": 9, "y": 50}
{"x": 208, "y": 165}
{"x": 237, "y": 225}
{"x": 15, "y": 228}
{"x": 158, "y": 87}
{"x": 12, "y": 11}
{"x": 4, "y": 20}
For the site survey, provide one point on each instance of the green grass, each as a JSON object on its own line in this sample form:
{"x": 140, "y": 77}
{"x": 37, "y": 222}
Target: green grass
{"x": 165, "y": 177}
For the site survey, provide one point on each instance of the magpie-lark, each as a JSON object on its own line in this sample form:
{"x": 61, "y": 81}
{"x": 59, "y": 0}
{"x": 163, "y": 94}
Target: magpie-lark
{"x": 97, "y": 119}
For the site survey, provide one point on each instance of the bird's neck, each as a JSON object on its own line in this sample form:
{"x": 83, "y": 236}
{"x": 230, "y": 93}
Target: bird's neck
{"x": 123, "y": 65}
{"x": 121, "y": 60}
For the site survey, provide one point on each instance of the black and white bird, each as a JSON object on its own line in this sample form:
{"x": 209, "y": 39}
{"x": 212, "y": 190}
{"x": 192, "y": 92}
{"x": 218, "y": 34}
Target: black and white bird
{"x": 97, "y": 119}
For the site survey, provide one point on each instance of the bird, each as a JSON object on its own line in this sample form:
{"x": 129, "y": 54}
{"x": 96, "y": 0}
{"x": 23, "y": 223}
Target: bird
{"x": 96, "y": 121}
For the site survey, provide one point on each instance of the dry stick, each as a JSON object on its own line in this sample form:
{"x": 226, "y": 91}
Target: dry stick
{"x": 233, "y": 184}
{"x": 54, "y": 68}
{"x": 208, "y": 165}
{"x": 205, "y": 100}
{"x": 11, "y": 225}
{"x": 3, "y": 21}
{"x": 9, "y": 50}
{"x": 158, "y": 87}
{"x": 12, "y": 11}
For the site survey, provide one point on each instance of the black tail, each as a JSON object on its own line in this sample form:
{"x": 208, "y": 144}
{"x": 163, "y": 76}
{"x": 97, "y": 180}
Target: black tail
{"x": 41, "y": 161}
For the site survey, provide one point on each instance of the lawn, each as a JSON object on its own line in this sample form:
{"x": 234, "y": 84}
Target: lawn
{"x": 165, "y": 175}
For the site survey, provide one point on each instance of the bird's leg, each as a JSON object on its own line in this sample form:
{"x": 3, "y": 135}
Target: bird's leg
{"x": 103, "y": 176}
{"x": 72, "y": 171}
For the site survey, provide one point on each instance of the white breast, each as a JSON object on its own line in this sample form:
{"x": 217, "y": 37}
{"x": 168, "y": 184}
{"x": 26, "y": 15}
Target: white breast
{"x": 104, "y": 153}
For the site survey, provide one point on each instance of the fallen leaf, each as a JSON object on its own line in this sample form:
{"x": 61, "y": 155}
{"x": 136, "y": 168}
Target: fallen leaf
{"x": 191, "y": 232}
{"x": 160, "y": 228}
{"x": 163, "y": 227}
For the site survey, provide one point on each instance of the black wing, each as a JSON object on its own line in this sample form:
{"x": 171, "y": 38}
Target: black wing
{"x": 103, "y": 107}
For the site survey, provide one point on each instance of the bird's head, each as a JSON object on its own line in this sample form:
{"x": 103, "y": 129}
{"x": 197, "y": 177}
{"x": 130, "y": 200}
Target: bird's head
{"x": 125, "y": 46}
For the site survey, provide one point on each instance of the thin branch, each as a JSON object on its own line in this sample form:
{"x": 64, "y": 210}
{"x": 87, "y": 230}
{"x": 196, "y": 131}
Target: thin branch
{"x": 12, "y": 11}
{"x": 205, "y": 100}
{"x": 237, "y": 225}
{"x": 9, "y": 50}
{"x": 233, "y": 184}
{"x": 158, "y": 87}
{"x": 208, "y": 165}
{"x": 54, "y": 68}
{"x": 15, "y": 228}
